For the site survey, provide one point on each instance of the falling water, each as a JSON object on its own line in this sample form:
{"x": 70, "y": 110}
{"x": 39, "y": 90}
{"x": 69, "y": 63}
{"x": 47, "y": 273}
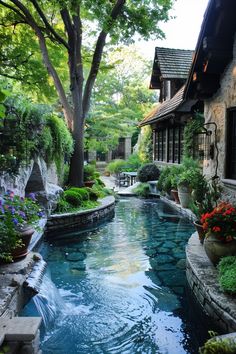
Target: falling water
{"x": 48, "y": 302}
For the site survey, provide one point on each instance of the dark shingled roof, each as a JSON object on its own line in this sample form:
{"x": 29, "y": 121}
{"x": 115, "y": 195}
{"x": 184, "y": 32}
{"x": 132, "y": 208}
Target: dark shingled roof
{"x": 170, "y": 63}
{"x": 174, "y": 63}
{"x": 164, "y": 109}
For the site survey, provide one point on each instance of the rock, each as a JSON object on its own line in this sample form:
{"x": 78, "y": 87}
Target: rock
{"x": 75, "y": 256}
{"x": 169, "y": 244}
{"x": 78, "y": 267}
{"x": 166, "y": 301}
{"x": 173, "y": 278}
{"x": 164, "y": 258}
{"x": 181, "y": 264}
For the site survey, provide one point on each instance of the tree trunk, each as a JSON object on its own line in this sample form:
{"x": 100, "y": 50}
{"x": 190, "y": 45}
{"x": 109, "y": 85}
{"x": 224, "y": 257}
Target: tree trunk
{"x": 76, "y": 174}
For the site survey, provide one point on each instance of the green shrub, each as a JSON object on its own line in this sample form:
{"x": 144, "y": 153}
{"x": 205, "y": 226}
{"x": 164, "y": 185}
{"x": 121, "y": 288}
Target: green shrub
{"x": 90, "y": 172}
{"x": 93, "y": 195}
{"x": 63, "y": 206}
{"x": 116, "y": 166}
{"x": 84, "y": 194}
{"x": 219, "y": 346}
{"x": 227, "y": 274}
{"x": 148, "y": 172}
{"x": 72, "y": 198}
{"x": 142, "y": 190}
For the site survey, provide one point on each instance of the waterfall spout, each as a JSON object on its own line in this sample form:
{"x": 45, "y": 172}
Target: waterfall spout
{"x": 33, "y": 282}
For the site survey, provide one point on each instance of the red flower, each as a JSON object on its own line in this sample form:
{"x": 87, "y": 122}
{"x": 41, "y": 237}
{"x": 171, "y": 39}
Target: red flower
{"x": 216, "y": 229}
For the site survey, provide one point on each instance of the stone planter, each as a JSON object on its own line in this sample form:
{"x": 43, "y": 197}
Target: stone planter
{"x": 184, "y": 194}
{"x": 216, "y": 249}
{"x": 200, "y": 231}
{"x": 175, "y": 194}
{"x": 25, "y": 235}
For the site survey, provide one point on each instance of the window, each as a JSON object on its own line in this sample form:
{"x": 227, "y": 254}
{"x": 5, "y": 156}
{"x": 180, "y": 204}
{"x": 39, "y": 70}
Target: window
{"x": 231, "y": 145}
{"x": 168, "y": 144}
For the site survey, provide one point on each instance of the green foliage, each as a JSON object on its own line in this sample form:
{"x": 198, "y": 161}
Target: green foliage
{"x": 90, "y": 172}
{"x": 192, "y": 128}
{"x": 15, "y": 213}
{"x": 148, "y": 172}
{"x": 206, "y": 195}
{"x": 37, "y": 132}
{"x": 219, "y": 346}
{"x": 227, "y": 274}
{"x": 72, "y": 197}
{"x": 145, "y": 144}
{"x": 62, "y": 146}
{"x": 93, "y": 195}
{"x": 83, "y": 192}
{"x": 116, "y": 166}
{"x": 100, "y": 190}
{"x": 142, "y": 190}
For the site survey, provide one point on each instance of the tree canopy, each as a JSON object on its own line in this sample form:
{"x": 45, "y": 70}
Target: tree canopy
{"x": 60, "y": 45}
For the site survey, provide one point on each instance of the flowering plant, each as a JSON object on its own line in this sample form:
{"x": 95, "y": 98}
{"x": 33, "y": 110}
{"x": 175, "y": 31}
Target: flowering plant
{"x": 221, "y": 221}
{"x": 15, "y": 213}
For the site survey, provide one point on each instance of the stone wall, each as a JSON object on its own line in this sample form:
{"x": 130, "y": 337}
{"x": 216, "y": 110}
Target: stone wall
{"x": 66, "y": 223}
{"x": 202, "y": 277}
{"x": 215, "y": 110}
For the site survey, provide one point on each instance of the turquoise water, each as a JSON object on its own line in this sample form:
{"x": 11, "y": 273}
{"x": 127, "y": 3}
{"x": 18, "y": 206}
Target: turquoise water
{"x": 120, "y": 289}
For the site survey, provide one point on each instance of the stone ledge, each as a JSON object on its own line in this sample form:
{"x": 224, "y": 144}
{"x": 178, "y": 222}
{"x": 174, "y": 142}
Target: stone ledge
{"x": 202, "y": 277}
{"x": 12, "y": 277}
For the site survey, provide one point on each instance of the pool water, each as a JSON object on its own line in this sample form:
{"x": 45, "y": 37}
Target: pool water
{"x": 121, "y": 288}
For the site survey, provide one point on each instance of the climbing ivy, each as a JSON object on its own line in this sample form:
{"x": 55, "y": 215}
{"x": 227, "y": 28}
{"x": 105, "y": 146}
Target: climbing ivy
{"x": 193, "y": 127}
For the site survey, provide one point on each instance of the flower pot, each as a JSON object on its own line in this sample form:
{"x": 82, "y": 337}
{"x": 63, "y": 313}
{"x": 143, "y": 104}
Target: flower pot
{"x": 89, "y": 184}
{"x": 216, "y": 249}
{"x": 175, "y": 194}
{"x": 184, "y": 196}
{"x": 25, "y": 235}
{"x": 199, "y": 228}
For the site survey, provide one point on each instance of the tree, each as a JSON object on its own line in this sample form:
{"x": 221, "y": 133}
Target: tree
{"x": 61, "y": 24}
{"x": 120, "y": 99}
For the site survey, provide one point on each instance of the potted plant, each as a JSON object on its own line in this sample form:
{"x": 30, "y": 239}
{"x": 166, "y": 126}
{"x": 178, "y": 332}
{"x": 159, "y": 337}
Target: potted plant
{"x": 205, "y": 197}
{"x": 220, "y": 229}
{"x": 18, "y": 220}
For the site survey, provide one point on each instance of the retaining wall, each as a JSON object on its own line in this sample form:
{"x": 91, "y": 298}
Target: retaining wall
{"x": 202, "y": 277}
{"x": 68, "y": 222}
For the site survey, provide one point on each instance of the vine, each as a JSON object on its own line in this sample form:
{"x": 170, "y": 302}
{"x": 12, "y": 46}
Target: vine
{"x": 192, "y": 128}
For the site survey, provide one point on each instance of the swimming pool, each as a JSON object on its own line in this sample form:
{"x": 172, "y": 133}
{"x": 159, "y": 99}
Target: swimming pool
{"x": 120, "y": 288}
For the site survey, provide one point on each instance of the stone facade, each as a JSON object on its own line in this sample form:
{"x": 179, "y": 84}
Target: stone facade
{"x": 69, "y": 222}
{"x": 215, "y": 110}
{"x": 202, "y": 277}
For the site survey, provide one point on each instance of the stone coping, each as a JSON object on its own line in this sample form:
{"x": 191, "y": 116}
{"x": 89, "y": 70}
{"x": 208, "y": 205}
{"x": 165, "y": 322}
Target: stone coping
{"x": 184, "y": 211}
{"x": 202, "y": 277}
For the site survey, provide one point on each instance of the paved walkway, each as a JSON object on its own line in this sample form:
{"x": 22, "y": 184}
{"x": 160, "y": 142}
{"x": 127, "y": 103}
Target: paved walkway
{"x": 110, "y": 183}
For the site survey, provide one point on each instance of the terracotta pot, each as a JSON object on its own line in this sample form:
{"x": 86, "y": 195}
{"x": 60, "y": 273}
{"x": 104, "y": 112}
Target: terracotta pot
{"x": 175, "y": 194}
{"x": 89, "y": 184}
{"x": 199, "y": 228}
{"x": 216, "y": 249}
{"x": 25, "y": 235}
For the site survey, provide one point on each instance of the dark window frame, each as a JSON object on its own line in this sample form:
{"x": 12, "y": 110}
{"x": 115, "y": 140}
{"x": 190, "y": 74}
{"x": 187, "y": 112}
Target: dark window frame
{"x": 231, "y": 143}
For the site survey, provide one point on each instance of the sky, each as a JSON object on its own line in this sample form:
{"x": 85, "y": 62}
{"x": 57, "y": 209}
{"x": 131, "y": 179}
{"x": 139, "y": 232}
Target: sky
{"x": 182, "y": 31}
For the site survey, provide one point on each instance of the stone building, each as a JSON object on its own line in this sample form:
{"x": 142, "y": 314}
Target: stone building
{"x": 212, "y": 79}
{"x": 167, "y": 120}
